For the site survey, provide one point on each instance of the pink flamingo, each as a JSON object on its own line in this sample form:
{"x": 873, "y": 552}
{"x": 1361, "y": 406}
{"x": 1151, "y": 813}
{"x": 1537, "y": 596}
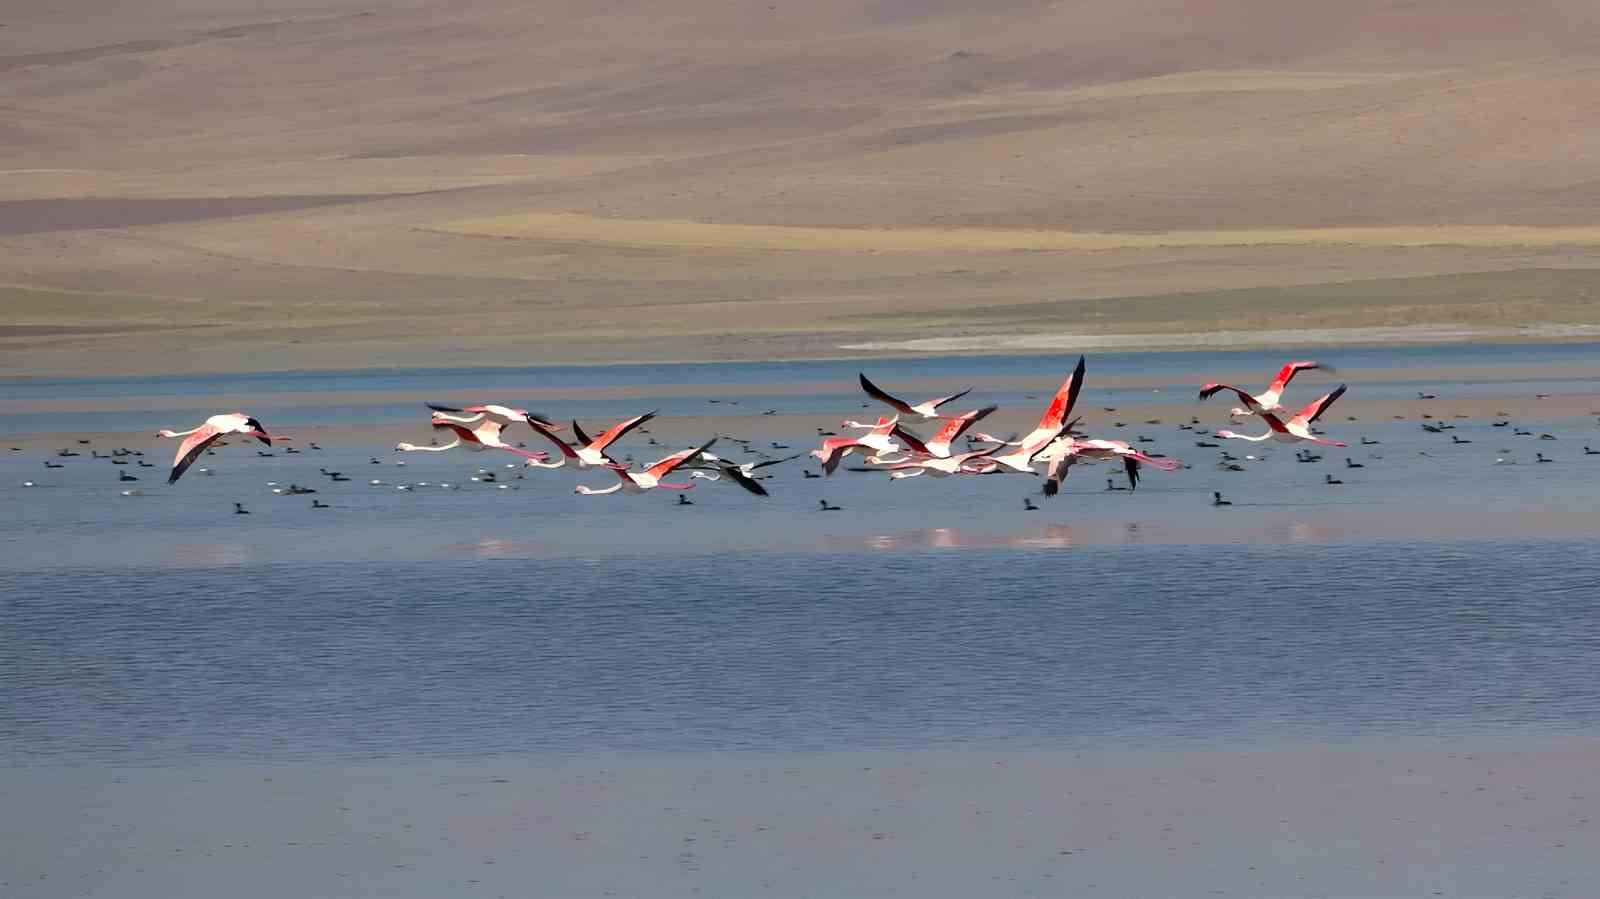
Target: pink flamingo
{"x": 926, "y": 408}
{"x": 482, "y": 432}
{"x": 506, "y": 415}
{"x": 1296, "y": 429}
{"x": 197, "y": 439}
{"x": 880, "y": 439}
{"x": 1051, "y": 424}
{"x": 650, "y": 477}
{"x": 588, "y": 452}
{"x": 941, "y": 466}
{"x": 1062, "y": 454}
{"x": 1267, "y": 400}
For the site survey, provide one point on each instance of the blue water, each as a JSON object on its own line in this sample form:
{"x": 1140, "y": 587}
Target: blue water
{"x": 683, "y": 388}
{"x": 1433, "y": 592}
{"x": 797, "y": 651}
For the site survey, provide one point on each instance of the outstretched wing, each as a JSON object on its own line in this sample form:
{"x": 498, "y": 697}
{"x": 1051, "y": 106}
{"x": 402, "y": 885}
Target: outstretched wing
{"x": 936, "y": 403}
{"x": 1131, "y": 466}
{"x": 190, "y": 450}
{"x": 542, "y": 429}
{"x": 611, "y": 434}
{"x": 767, "y": 462}
{"x": 1058, "y": 473}
{"x": 1212, "y": 389}
{"x": 742, "y": 479}
{"x": 955, "y": 427}
{"x": 877, "y": 393}
{"x": 260, "y": 432}
{"x": 1314, "y": 409}
{"x": 1287, "y": 373}
{"x": 911, "y": 439}
{"x": 1066, "y": 397}
{"x": 665, "y": 466}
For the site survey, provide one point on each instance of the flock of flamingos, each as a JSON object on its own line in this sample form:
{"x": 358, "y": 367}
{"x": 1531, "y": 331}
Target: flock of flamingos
{"x": 887, "y": 444}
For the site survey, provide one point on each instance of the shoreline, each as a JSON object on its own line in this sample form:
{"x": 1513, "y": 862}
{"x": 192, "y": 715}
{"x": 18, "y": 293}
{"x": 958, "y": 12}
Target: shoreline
{"x": 1474, "y": 816}
{"x": 965, "y": 346}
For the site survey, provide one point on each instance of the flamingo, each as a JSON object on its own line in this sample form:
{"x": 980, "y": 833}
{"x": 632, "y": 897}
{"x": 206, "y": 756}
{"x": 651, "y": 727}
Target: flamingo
{"x": 587, "y": 452}
{"x": 505, "y": 415}
{"x": 1297, "y": 428}
{"x": 927, "y": 408}
{"x": 479, "y": 433}
{"x": 1050, "y": 426}
{"x": 880, "y": 439}
{"x": 939, "y": 444}
{"x": 1066, "y": 451}
{"x": 650, "y": 477}
{"x": 940, "y": 466}
{"x": 197, "y": 439}
{"x": 1267, "y": 400}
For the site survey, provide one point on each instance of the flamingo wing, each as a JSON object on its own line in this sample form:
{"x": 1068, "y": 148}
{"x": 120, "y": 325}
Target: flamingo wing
{"x": 620, "y": 428}
{"x": 664, "y": 467}
{"x": 1065, "y": 398}
{"x": 190, "y": 450}
{"x": 260, "y": 433}
{"x": 766, "y": 462}
{"x": 877, "y": 393}
{"x": 1287, "y": 373}
{"x": 1130, "y": 464}
{"x": 1314, "y": 409}
{"x": 833, "y": 450}
{"x": 936, "y": 403}
{"x": 955, "y": 427}
{"x": 1059, "y": 469}
{"x": 543, "y": 429}
{"x": 912, "y": 440}
{"x": 743, "y": 480}
{"x": 1212, "y": 389}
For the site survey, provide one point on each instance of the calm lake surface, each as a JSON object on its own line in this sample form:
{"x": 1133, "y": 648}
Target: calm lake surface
{"x": 1433, "y": 592}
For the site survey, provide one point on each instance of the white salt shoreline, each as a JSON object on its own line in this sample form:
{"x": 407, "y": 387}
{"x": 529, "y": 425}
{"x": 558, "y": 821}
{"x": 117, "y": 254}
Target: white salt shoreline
{"x": 1379, "y": 818}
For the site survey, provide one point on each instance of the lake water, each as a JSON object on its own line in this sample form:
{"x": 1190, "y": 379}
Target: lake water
{"x": 1433, "y": 592}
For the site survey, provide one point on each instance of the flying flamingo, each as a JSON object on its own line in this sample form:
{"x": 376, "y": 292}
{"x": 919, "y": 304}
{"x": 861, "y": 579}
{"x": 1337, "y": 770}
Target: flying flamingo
{"x": 940, "y": 466}
{"x": 197, "y": 439}
{"x": 1297, "y": 428}
{"x": 939, "y": 444}
{"x": 1267, "y": 400}
{"x": 1062, "y": 454}
{"x": 1050, "y": 426}
{"x": 926, "y": 408}
{"x": 477, "y": 433}
{"x": 650, "y": 477}
{"x": 587, "y": 452}
{"x": 880, "y": 439}
{"x": 506, "y": 415}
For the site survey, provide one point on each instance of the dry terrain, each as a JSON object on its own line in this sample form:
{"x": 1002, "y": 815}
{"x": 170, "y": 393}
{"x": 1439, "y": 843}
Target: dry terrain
{"x": 190, "y": 185}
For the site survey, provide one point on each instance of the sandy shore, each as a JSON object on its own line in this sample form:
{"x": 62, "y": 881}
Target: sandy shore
{"x": 1479, "y": 818}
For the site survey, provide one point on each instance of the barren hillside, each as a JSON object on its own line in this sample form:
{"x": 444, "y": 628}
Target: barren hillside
{"x": 516, "y": 181}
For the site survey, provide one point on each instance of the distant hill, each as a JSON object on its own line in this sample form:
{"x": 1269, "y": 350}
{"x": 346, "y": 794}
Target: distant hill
{"x": 642, "y": 179}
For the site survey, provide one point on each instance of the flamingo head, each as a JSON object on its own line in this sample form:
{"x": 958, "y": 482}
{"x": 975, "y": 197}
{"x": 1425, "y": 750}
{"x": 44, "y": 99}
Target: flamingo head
{"x": 164, "y": 432}
{"x": 1226, "y": 434}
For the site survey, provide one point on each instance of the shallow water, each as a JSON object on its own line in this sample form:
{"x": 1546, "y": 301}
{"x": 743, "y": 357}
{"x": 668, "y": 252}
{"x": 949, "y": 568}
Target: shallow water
{"x": 798, "y": 651}
{"x": 1433, "y": 592}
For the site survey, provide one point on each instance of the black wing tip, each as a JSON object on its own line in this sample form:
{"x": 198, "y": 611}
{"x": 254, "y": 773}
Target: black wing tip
{"x": 438, "y": 408}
